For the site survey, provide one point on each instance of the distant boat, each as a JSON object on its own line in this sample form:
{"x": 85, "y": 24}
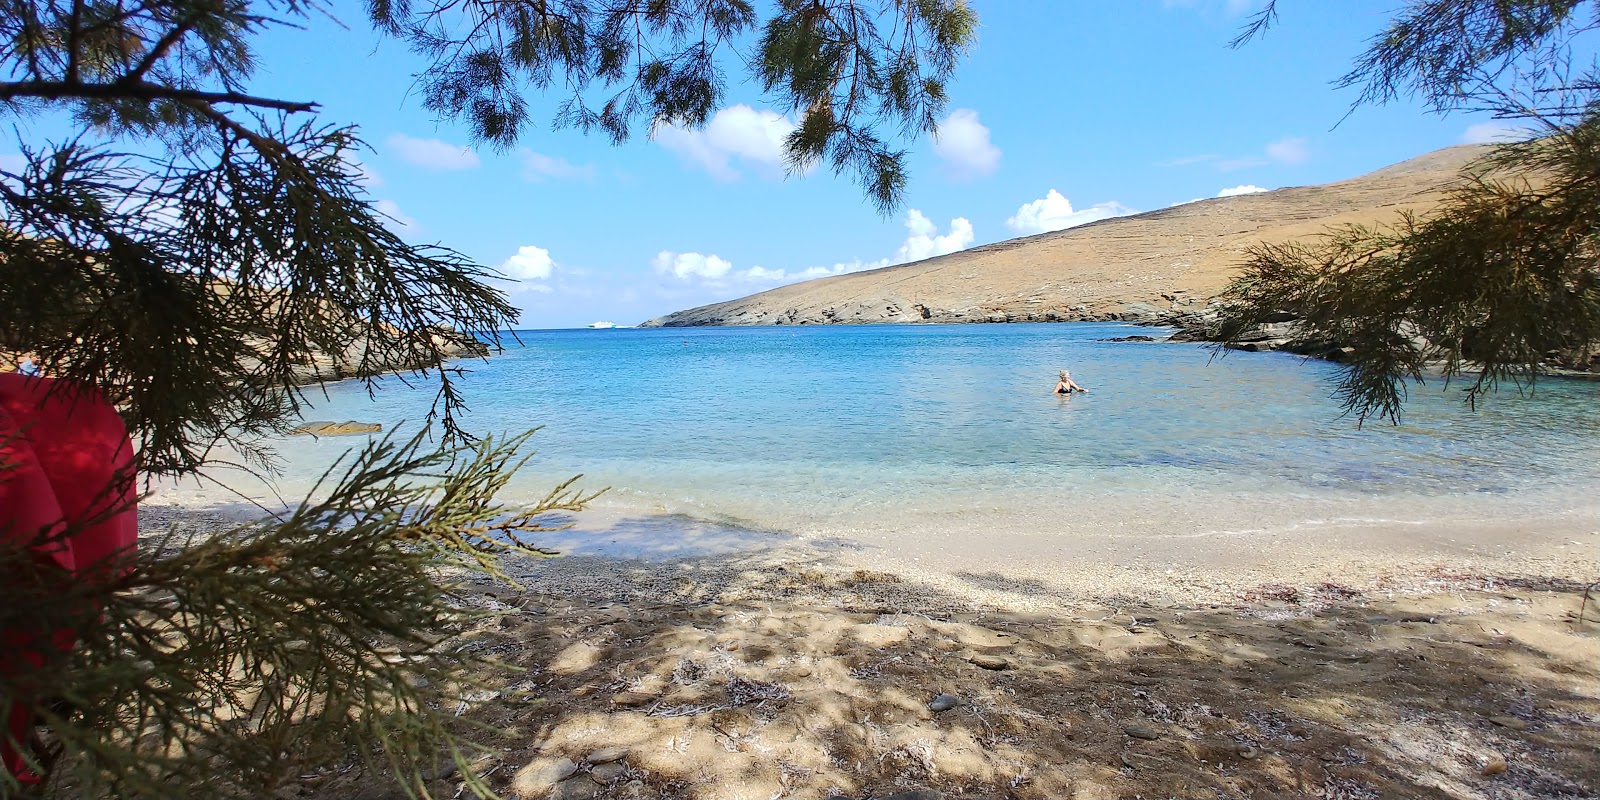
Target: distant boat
{"x": 604, "y": 324}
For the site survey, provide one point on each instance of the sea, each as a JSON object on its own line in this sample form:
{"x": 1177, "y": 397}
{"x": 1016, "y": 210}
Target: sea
{"x": 865, "y": 435}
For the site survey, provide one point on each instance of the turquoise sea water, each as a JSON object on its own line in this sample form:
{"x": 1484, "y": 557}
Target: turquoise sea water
{"x": 859, "y": 431}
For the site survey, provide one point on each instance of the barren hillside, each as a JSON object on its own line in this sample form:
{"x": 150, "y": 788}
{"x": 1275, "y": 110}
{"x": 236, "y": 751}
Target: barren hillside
{"x": 1111, "y": 269}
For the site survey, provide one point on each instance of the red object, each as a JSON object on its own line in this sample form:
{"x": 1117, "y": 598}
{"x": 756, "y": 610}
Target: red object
{"x": 65, "y": 458}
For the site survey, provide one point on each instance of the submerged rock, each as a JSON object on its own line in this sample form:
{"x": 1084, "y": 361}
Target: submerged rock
{"x": 346, "y": 428}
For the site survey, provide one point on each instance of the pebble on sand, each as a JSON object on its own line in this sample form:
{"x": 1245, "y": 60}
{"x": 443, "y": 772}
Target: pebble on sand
{"x": 988, "y": 661}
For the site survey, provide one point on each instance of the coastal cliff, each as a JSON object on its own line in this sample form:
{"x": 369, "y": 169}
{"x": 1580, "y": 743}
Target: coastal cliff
{"x": 1136, "y": 268}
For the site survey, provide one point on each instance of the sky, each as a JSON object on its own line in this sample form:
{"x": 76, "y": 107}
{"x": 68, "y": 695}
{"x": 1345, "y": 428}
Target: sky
{"x": 1063, "y": 113}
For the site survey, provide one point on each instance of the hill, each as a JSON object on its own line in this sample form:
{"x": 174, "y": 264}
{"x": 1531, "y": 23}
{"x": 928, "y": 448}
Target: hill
{"x": 1124, "y": 268}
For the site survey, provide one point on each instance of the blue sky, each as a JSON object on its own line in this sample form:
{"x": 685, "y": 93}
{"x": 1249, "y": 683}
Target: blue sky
{"x": 1064, "y": 112}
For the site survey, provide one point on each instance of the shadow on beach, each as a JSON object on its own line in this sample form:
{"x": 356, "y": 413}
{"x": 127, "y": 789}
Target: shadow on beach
{"x": 746, "y": 679}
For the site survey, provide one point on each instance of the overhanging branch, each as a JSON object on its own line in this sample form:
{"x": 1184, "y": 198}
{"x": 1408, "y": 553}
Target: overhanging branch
{"x": 140, "y": 90}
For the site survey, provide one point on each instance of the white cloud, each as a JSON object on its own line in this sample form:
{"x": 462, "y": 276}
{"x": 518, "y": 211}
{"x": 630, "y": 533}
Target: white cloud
{"x": 714, "y": 272}
{"x": 1235, "y": 191}
{"x": 1289, "y": 150}
{"x": 529, "y": 264}
{"x": 1053, "y": 213}
{"x": 781, "y": 276}
{"x": 963, "y": 143}
{"x": 1500, "y": 130}
{"x": 753, "y": 138}
{"x": 432, "y": 153}
{"x": 685, "y": 266}
{"x": 925, "y": 240}
{"x": 538, "y": 167}
{"x": 397, "y": 220}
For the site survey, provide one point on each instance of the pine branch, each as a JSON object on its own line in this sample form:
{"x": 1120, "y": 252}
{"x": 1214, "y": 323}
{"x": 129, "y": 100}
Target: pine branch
{"x": 142, "y": 91}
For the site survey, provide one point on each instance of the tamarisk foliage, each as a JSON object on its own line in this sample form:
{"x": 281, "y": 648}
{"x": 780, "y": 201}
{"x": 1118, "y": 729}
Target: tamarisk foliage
{"x": 222, "y": 664}
{"x": 1502, "y": 276}
{"x": 195, "y": 251}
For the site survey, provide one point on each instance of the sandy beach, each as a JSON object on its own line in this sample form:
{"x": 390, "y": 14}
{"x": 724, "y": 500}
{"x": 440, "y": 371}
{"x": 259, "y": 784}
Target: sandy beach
{"x": 1357, "y": 665}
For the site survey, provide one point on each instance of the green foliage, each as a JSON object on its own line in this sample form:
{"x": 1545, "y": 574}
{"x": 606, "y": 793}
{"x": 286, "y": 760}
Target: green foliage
{"x": 1505, "y": 273}
{"x": 847, "y": 66}
{"x": 195, "y": 250}
{"x": 220, "y": 665}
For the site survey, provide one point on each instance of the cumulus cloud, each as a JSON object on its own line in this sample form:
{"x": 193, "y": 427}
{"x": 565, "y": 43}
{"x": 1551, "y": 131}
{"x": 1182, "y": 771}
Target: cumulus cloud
{"x": 963, "y": 143}
{"x": 1054, "y": 213}
{"x": 780, "y": 276}
{"x": 1235, "y": 191}
{"x": 925, "y": 241}
{"x": 529, "y": 264}
{"x": 397, "y": 220}
{"x": 753, "y": 138}
{"x": 685, "y": 266}
{"x": 1500, "y": 130}
{"x": 432, "y": 153}
{"x": 538, "y": 167}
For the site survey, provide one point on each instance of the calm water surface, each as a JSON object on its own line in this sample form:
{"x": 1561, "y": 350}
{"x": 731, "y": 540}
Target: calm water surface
{"x": 855, "y": 431}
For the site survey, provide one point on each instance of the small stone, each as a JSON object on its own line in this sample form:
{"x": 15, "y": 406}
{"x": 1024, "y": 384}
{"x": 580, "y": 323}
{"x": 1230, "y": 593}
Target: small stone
{"x": 606, "y": 755}
{"x": 608, "y": 772}
{"x": 1495, "y": 766}
{"x": 1141, "y": 731}
{"x": 540, "y": 776}
{"x": 988, "y": 661}
{"x": 943, "y": 702}
{"x": 1509, "y": 722}
{"x": 630, "y": 699}
{"x": 576, "y": 788}
{"x": 1249, "y": 752}
{"x": 802, "y": 672}
{"x": 1127, "y": 761}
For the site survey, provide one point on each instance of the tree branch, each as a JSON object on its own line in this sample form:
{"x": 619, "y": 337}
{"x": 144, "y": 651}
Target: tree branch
{"x": 140, "y": 90}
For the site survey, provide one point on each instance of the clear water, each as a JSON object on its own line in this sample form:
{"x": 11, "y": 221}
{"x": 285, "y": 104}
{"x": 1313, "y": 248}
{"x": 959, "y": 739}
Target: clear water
{"x": 858, "y": 432}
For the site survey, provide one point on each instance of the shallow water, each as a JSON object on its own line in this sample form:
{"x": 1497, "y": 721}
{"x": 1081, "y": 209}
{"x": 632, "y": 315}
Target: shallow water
{"x": 859, "y": 433}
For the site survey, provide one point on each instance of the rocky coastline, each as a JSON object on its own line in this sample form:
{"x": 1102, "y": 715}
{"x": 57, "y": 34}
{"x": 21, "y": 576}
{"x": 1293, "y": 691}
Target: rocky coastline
{"x": 357, "y": 361}
{"x": 1287, "y": 332}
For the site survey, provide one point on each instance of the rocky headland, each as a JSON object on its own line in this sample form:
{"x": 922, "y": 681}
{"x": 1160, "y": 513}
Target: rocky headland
{"x": 1133, "y": 268}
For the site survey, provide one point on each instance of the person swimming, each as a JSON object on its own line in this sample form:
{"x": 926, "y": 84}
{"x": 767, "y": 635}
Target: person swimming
{"x": 1065, "y": 385}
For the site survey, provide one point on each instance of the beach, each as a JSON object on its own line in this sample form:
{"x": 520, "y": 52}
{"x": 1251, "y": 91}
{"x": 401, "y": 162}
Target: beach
{"x": 785, "y": 669}
{"x": 861, "y": 563}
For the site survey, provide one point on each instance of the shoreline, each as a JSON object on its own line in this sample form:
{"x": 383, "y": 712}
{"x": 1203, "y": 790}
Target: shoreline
{"x": 605, "y": 555}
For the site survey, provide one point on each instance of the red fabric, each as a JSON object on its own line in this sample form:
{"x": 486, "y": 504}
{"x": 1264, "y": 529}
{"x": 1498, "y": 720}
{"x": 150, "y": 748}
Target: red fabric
{"x": 65, "y": 456}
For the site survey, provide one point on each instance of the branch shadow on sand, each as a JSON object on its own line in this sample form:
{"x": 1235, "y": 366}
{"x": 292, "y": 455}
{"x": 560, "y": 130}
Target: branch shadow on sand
{"x": 745, "y": 678}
